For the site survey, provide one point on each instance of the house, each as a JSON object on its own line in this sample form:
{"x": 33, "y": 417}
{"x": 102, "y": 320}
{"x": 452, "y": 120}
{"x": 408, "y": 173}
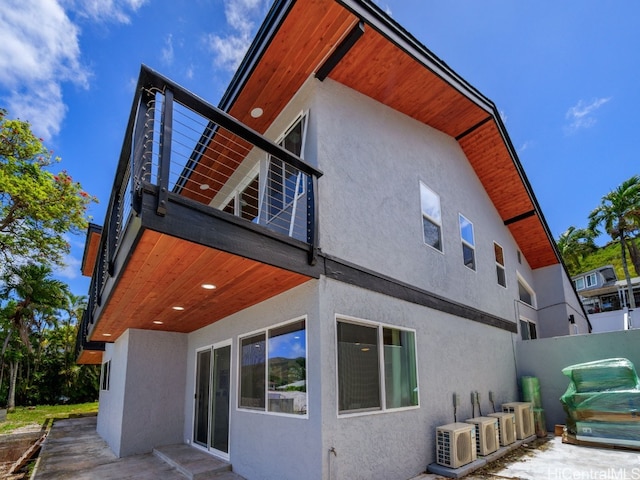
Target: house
{"x": 299, "y": 280}
{"x": 605, "y": 298}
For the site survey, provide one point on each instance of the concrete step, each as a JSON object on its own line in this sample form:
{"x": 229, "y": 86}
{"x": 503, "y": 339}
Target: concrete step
{"x": 195, "y": 464}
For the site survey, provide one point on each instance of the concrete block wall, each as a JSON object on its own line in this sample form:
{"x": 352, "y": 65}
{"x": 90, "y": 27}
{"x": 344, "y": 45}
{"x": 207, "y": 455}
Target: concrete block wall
{"x": 545, "y": 358}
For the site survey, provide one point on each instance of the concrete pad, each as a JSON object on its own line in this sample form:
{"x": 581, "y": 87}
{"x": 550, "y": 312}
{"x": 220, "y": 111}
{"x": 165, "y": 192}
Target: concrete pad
{"x": 457, "y": 472}
{"x": 554, "y": 460}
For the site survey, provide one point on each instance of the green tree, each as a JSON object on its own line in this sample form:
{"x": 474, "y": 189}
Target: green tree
{"x": 618, "y": 213}
{"x": 36, "y": 207}
{"x": 574, "y": 245}
{"x": 34, "y": 299}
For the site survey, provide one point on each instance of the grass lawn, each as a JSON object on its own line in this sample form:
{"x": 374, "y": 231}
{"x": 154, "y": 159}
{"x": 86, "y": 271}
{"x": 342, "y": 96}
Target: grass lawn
{"x": 24, "y": 416}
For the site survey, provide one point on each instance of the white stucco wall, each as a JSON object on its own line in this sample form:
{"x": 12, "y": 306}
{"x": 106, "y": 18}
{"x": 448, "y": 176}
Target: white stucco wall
{"x": 607, "y": 321}
{"x": 263, "y": 445}
{"x": 111, "y": 402}
{"x": 144, "y": 405}
{"x": 556, "y": 302}
{"x": 454, "y": 355}
{"x": 374, "y": 159}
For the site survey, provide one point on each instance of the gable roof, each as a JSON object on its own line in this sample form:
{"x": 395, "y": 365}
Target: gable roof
{"x": 355, "y": 43}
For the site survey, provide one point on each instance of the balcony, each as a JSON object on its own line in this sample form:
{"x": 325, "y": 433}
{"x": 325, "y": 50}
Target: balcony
{"x": 206, "y": 217}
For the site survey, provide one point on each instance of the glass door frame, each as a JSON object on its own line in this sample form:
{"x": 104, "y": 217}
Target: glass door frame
{"x": 211, "y": 348}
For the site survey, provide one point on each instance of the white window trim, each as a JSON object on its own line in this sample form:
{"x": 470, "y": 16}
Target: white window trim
{"x": 534, "y": 302}
{"x": 213, "y": 451}
{"x": 424, "y": 215}
{"x": 267, "y": 163}
{"x": 105, "y": 376}
{"x": 527, "y": 320}
{"x": 265, "y": 330}
{"x": 379, "y": 325}
{"x": 504, "y": 268}
{"x": 586, "y": 280}
{"x": 575, "y": 282}
{"x": 464, "y": 242}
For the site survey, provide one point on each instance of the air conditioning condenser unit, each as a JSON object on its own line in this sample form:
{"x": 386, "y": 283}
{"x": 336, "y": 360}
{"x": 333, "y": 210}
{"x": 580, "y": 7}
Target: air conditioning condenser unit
{"x": 487, "y": 436}
{"x": 506, "y": 427}
{"x": 455, "y": 444}
{"x": 525, "y": 426}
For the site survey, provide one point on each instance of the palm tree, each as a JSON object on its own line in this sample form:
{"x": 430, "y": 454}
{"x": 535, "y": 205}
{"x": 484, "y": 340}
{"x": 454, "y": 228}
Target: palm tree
{"x": 618, "y": 213}
{"x": 34, "y": 292}
{"x": 574, "y": 245}
{"x": 34, "y": 298}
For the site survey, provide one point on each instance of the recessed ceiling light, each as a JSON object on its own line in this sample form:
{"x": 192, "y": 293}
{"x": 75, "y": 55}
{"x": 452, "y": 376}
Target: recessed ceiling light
{"x": 204, "y": 186}
{"x": 257, "y": 112}
{"x": 158, "y": 322}
{"x": 106, "y": 334}
{"x": 208, "y": 286}
{"x": 365, "y": 349}
{"x": 179, "y": 309}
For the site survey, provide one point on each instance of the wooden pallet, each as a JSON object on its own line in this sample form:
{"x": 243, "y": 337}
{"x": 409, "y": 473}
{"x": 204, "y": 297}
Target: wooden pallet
{"x": 572, "y": 440}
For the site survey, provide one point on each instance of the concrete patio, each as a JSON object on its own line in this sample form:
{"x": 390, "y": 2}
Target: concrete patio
{"x": 74, "y": 450}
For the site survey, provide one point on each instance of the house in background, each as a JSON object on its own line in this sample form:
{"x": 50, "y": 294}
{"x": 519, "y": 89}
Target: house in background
{"x": 299, "y": 280}
{"x": 605, "y": 298}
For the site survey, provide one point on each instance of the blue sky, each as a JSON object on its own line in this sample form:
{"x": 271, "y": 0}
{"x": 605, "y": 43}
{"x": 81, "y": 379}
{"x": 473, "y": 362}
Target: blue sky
{"x": 564, "y": 76}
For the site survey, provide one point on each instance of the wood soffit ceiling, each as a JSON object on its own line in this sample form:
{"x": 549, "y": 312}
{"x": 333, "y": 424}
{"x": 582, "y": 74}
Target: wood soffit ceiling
{"x": 89, "y": 357}
{"x": 164, "y": 272}
{"x": 382, "y": 70}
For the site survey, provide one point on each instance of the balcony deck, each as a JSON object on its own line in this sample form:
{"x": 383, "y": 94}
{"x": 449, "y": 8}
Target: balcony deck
{"x": 198, "y": 199}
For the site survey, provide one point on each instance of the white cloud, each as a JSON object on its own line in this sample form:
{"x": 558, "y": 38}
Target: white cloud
{"x": 36, "y": 57}
{"x": 40, "y": 51}
{"x": 71, "y": 269}
{"x": 525, "y": 146}
{"x": 105, "y": 10}
{"x": 241, "y": 16}
{"x": 167, "y": 50}
{"x": 582, "y": 114}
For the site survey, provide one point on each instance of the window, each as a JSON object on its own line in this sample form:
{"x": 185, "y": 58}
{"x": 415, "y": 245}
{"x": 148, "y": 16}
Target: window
{"x": 591, "y": 280}
{"x": 376, "y": 367}
{"x": 284, "y": 182}
{"x": 500, "y": 272}
{"x": 273, "y": 370}
{"x": 524, "y": 293}
{"x": 105, "y": 375}
{"x": 431, "y": 217}
{"x": 579, "y": 283}
{"x": 528, "y": 330}
{"x": 468, "y": 242}
{"x": 244, "y": 202}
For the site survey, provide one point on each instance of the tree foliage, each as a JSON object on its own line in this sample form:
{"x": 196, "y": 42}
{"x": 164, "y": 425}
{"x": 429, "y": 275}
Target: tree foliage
{"x": 575, "y": 244}
{"x": 37, "y": 207}
{"x": 619, "y": 214}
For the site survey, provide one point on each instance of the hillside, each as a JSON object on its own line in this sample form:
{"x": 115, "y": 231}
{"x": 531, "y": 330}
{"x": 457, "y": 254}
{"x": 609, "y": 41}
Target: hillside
{"x": 607, "y": 255}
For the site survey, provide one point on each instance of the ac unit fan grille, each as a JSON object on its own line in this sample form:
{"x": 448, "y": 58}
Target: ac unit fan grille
{"x": 490, "y": 438}
{"x": 462, "y": 448}
{"x": 509, "y": 431}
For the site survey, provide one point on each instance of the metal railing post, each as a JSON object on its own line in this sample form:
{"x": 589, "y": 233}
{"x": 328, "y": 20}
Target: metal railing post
{"x": 164, "y": 155}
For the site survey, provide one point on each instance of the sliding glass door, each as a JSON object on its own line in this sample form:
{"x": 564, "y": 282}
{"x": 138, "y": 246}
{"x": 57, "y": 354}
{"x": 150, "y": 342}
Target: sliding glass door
{"x": 211, "y": 419}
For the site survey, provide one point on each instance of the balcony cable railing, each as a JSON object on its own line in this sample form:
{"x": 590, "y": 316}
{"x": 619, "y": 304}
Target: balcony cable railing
{"x": 185, "y": 150}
